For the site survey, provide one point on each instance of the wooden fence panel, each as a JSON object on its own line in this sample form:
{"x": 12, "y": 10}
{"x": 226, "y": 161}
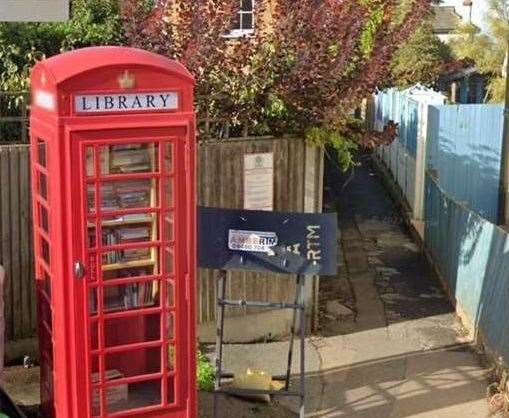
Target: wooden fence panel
{"x": 298, "y": 172}
{"x": 16, "y": 254}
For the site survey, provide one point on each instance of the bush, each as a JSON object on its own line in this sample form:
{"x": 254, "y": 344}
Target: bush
{"x": 205, "y": 373}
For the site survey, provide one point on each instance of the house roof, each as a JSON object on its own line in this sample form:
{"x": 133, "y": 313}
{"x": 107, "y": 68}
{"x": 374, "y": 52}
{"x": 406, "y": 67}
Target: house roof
{"x": 445, "y": 20}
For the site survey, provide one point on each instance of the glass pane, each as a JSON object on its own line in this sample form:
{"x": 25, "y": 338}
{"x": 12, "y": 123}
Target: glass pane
{"x": 168, "y": 193}
{"x": 128, "y": 272}
{"x": 131, "y": 330}
{"x": 168, "y": 158}
{"x": 94, "y": 335}
{"x": 170, "y": 290}
{"x": 247, "y": 5}
{"x": 43, "y": 212}
{"x": 91, "y": 198}
{"x": 116, "y": 259}
{"x": 171, "y": 357}
{"x": 133, "y": 363}
{"x": 96, "y": 408}
{"x": 41, "y": 153}
{"x": 171, "y": 390}
{"x": 127, "y": 234}
{"x": 131, "y": 234}
{"x": 92, "y": 236}
{"x": 168, "y": 226}
{"x": 247, "y": 21}
{"x": 129, "y": 158}
{"x": 170, "y": 327}
{"x": 136, "y": 395}
{"x": 45, "y": 312}
{"x": 92, "y": 271}
{"x": 47, "y": 284}
{"x": 46, "y": 343}
{"x": 131, "y": 296}
{"x": 94, "y": 367}
{"x": 169, "y": 264}
{"x": 43, "y": 186}
{"x": 90, "y": 161}
{"x": 129, "y": 219}
{"x": 45, "y": 251}
{"x": 92, "y": 301}
{"x": 128, "y": 194}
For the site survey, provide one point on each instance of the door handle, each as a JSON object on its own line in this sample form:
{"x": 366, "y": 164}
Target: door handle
{"x": 79, "y": 270}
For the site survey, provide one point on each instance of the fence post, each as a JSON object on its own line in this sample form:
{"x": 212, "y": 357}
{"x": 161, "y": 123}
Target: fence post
{"x": 420, "y": 168}
{"x": 503, "y": 204}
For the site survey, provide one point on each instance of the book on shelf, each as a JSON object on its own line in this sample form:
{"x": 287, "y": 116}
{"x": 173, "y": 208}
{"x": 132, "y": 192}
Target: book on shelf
{"x": 132, "y": 194}
{"x": 135, "y": 217}
{"x": 130, "y": 296}
{"x": 126, "y": 235}
{"x": 133, "y": 234}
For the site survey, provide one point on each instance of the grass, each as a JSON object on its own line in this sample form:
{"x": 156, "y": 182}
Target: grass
{"x": 205, "y": 373}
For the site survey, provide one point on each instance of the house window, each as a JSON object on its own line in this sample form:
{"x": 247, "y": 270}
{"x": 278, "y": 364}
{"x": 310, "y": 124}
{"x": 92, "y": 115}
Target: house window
{"x": 245, "y": 21}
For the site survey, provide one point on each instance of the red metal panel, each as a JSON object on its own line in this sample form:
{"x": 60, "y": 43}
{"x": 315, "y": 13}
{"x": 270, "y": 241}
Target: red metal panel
{"x": 124, "y": 335}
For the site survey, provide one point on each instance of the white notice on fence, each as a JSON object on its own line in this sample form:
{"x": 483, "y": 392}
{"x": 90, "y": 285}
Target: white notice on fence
{"x": 259, "y": 181}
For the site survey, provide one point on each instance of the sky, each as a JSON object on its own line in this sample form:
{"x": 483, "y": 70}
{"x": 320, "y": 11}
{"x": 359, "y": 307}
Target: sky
{"x": 479, "y": 9}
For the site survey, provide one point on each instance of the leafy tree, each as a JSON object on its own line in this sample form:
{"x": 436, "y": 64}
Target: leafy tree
{"x": 93, "y": 22}
{"x": 420, "y": 60}
{"x": 487, "y": 50}
{"x": 309, "y": 64}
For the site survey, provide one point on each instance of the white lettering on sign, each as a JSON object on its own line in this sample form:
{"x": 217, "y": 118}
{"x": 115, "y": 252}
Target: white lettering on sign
{"x": 314, "y": 253}
{"x": 252, "y": 241}
{"x": 44, "y": 99}
{"x": 259, "y": 181}
{"x": 126, "y": 102}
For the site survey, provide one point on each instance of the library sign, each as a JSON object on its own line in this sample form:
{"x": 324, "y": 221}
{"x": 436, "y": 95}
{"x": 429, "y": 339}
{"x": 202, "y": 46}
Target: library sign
{"x": 100, "y": 103}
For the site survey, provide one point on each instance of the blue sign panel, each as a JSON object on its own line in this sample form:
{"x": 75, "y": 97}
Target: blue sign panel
{"x": 292, "y": 243}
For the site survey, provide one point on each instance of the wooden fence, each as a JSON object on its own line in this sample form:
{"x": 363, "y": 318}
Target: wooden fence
{"x": 298, "y": 172}
{"x": 16, "y": 254}
{"x": 298, "y": 175}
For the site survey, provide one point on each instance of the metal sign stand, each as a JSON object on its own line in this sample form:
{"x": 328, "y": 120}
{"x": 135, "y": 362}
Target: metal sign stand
{"x": 298, "y": 309}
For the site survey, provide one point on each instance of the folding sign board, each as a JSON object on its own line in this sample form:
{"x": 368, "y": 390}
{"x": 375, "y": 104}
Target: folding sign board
{"x": 34, "y": 10}
{"x": 293, "y": 243}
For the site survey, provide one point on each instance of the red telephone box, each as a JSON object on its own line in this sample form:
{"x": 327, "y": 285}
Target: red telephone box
{"x": 113, "y": 143}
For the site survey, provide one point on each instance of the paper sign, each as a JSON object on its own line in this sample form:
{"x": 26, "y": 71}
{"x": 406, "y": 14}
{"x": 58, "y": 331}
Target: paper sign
{"x": 259, "y": 181}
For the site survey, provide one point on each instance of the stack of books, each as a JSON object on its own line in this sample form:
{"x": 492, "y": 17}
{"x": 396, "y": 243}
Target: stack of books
{"x": 133, "y": 194}
{"x": 133, "y": 235}
{"x": 125, "y": 297}
{"x": 131, "y": 158}
{"x": 126, "y": 235}
{"x": 129, "y": 194}
{"x": 109, "y": 201}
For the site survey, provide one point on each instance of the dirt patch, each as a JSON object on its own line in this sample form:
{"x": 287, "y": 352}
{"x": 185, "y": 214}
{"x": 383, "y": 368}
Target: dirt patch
{"x": 22, "y": 385}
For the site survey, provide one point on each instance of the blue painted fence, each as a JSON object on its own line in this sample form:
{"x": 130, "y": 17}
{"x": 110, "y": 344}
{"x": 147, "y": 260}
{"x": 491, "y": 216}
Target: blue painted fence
{"x": 473, "y": 257}
{"x": 402, "y": 109}
{"x": 460, "y": 198}
{"x": 400, "y": 156}
{"x": 463, "y": 152}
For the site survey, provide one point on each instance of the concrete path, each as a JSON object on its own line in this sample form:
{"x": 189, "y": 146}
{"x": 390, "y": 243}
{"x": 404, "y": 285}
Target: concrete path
{"x": 403, "y": 353}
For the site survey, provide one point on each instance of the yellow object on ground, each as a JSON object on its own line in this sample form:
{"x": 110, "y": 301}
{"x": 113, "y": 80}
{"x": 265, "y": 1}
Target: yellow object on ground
{"x": 257, "y": 380}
